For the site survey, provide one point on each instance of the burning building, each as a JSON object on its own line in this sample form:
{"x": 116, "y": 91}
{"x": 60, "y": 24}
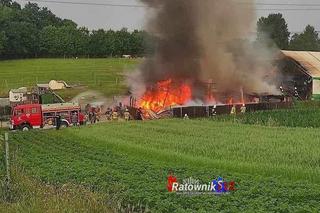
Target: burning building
{"x": 202, "y": 55}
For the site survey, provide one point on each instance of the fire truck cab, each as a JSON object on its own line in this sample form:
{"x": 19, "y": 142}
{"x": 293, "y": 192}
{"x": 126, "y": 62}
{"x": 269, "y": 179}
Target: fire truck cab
{"x": 35, "y": 116}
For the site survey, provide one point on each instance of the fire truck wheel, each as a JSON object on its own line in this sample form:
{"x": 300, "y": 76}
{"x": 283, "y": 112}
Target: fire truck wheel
{"x": 25, "y": 127}
{"x": 64, "y": 125}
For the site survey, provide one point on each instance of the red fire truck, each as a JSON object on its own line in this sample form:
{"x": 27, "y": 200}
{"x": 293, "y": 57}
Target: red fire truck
{"x": 34, "y": 116}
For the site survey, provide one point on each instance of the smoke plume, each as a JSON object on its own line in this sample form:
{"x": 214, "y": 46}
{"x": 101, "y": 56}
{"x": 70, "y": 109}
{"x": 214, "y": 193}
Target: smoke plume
{"x": 198, "y": 40}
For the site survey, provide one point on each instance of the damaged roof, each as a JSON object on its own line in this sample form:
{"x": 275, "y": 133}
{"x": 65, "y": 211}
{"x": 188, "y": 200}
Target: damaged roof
{"x": 310, "y": 61}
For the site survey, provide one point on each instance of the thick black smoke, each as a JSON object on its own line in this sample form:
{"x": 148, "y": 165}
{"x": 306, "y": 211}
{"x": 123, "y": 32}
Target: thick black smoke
{"x": 177, "y": 45}
{"x": 199, "y": 40}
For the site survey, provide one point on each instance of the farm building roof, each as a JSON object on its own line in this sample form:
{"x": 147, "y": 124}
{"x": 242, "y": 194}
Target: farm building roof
{"x": 310, "y": 61}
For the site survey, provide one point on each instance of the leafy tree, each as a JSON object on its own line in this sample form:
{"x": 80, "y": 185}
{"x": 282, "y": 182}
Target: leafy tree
{"x": 137, "y": 43}
{"x": 21, "y": 40}
{"x": 82, "y": 40}
{"x": 308, "y": 40}
{"x": 111, "y": 47}
{"x": 47, "y": 18}
{"x": 67, "y": 22}
{"x": 41, "y": 17}
{"x": 98, "y": 43}
{"x": 71, "y": 41}
{"x": 49, "y": 42}
{"x": 33, "y": 31}
{"x": 7, "y": 15}
{"x": 3, "y": 40}
{"x": 122, "y": 42}
{"x": 64, "y": 41}
{"x": 275, "y": 28}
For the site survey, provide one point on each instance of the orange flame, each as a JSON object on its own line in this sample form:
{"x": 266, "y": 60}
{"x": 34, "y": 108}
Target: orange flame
{"x": 230, "y": 101}
{"x": 165, "y": 94}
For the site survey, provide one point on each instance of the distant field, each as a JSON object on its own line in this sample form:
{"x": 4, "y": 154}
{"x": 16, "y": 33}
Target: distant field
{"x": 277, "y": 169}
{"x": 104, "y": 75}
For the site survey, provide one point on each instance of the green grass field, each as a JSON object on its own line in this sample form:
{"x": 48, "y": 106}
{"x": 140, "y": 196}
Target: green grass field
{"x": 103, "y": 75}
{"x": 273, "y": 156}
{"x": 277, "y": 169}
{"x": 27, "y": 194}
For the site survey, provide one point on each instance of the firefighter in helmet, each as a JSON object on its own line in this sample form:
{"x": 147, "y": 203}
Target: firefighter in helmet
{"x": 109, "y": 114}
{"x": 214, "y": 111}
{"x": 115, "y": 115}
{"x": 186, "y": 117}
{"x": 126, "y": 115}
{"x": 243, "y": 109}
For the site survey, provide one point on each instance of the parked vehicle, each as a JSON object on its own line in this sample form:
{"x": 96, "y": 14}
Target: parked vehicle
{"x": 35, "y": 116}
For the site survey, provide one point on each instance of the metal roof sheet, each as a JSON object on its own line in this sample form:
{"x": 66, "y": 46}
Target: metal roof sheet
{"x": 310, "y": 61}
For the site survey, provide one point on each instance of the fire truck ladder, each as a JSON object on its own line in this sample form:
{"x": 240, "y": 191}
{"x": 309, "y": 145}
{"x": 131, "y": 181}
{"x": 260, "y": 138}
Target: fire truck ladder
{"x": 58, "y": 96}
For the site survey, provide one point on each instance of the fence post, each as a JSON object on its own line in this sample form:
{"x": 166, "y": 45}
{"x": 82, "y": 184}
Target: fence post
{"x": 7, "y": 159}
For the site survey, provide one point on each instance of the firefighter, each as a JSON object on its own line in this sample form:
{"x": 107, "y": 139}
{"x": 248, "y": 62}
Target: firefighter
{"x": 94, "y": 117}
{"x": 243, "y": 109}
{"x": 87, "y": 109}
{"x": 90, "y": 117}
{"x": 98, "y": 113}
{"x": 296, "y": 93}
{"x": 58, "y": 122}
{"x": 115, "y": 115}
{"x": 233, "y": 110}
{"x": 93, "y": 113}
{"x": 214, "y": 111}
{"x": 282, "y": 90}
{"x": 108, "y": 114}
{"x": 127, "y": 115}
{"x": 139, "y": 114}
{"x": 74, "y": 119}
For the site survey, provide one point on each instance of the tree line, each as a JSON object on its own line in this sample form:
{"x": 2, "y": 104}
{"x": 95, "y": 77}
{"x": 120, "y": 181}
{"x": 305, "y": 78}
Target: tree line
{"x": 274, "y": 28}
{"x": 32, "y": 31}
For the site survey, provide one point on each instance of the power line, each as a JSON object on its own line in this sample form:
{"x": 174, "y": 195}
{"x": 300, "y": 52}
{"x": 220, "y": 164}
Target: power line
{"x": 288, "y": 9}
{"x": 135, "y": 5}
{"x": 284, "y": 4}
{"x": 143, "y": 6}
{"x": 87, "y": 3}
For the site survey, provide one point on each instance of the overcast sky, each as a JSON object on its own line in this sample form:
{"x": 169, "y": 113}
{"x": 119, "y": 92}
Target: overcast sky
{"x": 107, "y": 17}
